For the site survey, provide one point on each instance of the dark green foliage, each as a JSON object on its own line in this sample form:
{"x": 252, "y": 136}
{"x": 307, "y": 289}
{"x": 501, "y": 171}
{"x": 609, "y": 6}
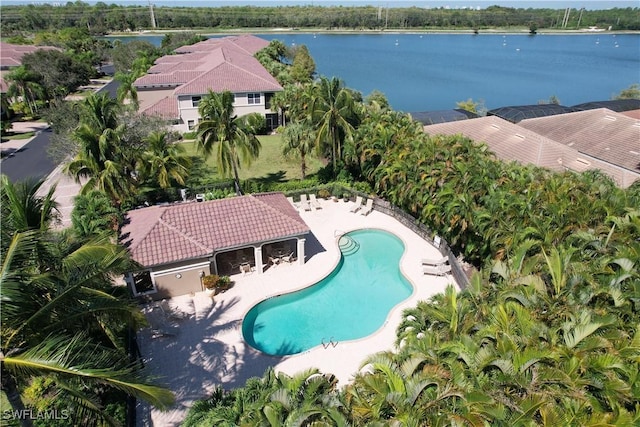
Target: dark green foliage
{"x": 58, "y": 73}
{"x": 103, "y": 17}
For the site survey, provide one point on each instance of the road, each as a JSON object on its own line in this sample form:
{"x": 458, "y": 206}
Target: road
{"x": 32, "y": 160}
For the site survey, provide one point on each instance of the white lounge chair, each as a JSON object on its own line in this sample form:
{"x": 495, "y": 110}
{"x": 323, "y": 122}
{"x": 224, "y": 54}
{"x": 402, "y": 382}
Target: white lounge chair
{"x": 357, "y": 205}
{"x": 435, "y": 262}
{"x": 304, "y": 203}
{"x": 436, "y": 270}
{"x": 314, "y": 202}
{"x": 368, "y": 208}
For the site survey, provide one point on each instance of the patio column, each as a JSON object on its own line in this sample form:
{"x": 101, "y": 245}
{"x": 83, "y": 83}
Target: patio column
{"x": 257, "y": 253}
{"x": 301, "y": 251}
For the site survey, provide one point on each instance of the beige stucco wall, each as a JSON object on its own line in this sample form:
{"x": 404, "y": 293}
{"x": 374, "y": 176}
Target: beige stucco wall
{"x": 241, "y": 108}
{"x": 179, "y": 279}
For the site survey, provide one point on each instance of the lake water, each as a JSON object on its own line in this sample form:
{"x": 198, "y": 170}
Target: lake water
{"x": 424, "y": 72}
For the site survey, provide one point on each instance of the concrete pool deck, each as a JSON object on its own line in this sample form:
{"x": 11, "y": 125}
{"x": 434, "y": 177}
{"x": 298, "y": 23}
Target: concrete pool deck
{"x": 206, "y": 348}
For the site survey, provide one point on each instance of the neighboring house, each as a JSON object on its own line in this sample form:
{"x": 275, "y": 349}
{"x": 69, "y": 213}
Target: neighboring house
{"x": 11, "y": 54}
{"x": 175, "y": 84}
{"x": 178, "y": 244}
{"x": 600, "y": 136}
{"x": 515, "y": 142}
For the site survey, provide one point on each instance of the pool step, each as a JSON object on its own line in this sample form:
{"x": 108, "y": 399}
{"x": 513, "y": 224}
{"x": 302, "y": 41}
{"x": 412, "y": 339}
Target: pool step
{"x": 348, "y": 245}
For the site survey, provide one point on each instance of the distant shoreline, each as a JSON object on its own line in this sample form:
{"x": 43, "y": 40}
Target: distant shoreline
{"x": 212, "y": 32}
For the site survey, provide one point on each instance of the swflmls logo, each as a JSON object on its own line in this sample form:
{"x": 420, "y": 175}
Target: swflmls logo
{"x": 30, "y": 414}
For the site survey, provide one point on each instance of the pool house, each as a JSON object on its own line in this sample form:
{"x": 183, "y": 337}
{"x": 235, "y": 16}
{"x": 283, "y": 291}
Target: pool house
{"x": 177, "y": 245}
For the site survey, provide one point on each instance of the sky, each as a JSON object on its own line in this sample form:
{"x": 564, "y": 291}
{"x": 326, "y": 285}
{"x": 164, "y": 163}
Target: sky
{"x": 553, "y": 4}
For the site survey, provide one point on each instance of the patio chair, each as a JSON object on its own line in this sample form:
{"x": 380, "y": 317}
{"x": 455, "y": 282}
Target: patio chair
{"x": 314, "y": 202}
{"x": 304, "y": 203}
{"x": 436, "y": 270}
{"x": 368, "y": 208}
{"x": 245, "y": 268}
{"x": 357, "y": 205}
{"x": 288, "y": 258}
{"x": 435, "y": 262}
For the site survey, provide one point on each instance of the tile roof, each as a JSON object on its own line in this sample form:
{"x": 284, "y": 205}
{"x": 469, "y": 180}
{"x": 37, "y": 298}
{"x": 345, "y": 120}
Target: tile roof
{"x": 230, "y": 77}
{"x": 215, "y": 64}
{"x": 11, "y": 54}
{"x": 175, "y": 78}
{"x": 165, "y": 234}
{"x": 600, "y": 133}
{"x": 508, "y": 141}
{"x": 167, "y": 108}
{"x": 247, "y": 43}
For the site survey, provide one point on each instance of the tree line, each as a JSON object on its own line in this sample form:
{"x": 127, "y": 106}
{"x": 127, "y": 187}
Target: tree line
{"x": 102, "y": 18}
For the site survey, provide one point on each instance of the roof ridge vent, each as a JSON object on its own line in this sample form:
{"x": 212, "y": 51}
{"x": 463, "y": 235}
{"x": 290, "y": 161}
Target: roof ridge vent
{"x": 610, "y": 117}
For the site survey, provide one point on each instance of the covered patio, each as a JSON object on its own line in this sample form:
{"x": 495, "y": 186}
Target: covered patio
{"x": 178, "y": 245}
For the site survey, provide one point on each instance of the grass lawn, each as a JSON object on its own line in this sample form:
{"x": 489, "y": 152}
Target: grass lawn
{"x": 271, "y": 165}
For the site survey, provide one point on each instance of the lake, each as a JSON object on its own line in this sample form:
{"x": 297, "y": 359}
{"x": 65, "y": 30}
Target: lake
{"x": 425, "y": 72}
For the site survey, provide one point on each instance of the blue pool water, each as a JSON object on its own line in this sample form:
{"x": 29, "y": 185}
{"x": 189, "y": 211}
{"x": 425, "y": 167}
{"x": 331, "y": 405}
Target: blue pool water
{"x": 351, "y": 302}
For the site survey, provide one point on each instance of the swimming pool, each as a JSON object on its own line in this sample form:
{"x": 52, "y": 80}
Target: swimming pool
{"x": 353, "y": 301}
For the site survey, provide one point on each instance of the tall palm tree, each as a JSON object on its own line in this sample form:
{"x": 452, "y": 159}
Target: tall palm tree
{"x": 333, "y": 113}
{"x": 164, "y": 161}
{"x": 299, "y": 139}
{"x": 127, "y": 90}
{"x": 25, "y": 84}
{"x": 232, "y": 138}
{"x": 102, "y": 158}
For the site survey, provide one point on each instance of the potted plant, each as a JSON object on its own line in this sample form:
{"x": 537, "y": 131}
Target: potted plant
{"x": 216, "y": 284}
{"x": 345, "y": 197}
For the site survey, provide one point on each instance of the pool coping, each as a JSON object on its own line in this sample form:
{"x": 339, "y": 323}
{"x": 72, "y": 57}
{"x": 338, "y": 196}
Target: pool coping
{"x": 210, "y": 350}
{"x": 330, "y": 271}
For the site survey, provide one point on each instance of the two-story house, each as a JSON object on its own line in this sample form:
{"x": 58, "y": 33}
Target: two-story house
{"x": 175, "y": 84}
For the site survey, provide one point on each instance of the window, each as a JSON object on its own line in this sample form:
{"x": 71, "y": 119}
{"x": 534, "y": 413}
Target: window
{"x": 141, "y": 283}
{"x": 195, "y": 100}
{"x": 253, "y": 98}
{"x": 191, "y": 124}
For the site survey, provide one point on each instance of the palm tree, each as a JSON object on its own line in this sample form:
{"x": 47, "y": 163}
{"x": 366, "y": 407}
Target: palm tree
{"x": 232, "y": 138}
{"x": 102, "y": 158}
{"x": 333, "y": 113}
{"x": 127, "y": 90}
{"x": 94, "y": 215}
{"x": 25, "y": 84}
{"x": 62, "y": 318}
{"x": 299, "y": 139}
{"x": 164, "y": 160}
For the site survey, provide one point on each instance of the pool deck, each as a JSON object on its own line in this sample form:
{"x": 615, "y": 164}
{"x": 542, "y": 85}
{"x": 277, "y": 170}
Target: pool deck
{"x": 206, "y": 347}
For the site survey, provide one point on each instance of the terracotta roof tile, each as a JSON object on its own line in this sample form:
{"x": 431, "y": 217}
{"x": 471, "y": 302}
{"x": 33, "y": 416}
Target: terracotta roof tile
{"x": 161, "y": 235}
{"x": 167, "y": 108}
{"x": 11, "y": 54}
{"x": 230, "y": 77}
{"x": 175, "y": 78}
